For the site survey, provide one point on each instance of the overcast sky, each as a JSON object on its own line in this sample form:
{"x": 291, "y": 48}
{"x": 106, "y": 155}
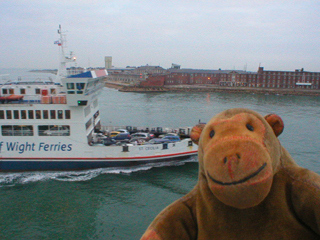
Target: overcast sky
{"x": 229, "y": 34}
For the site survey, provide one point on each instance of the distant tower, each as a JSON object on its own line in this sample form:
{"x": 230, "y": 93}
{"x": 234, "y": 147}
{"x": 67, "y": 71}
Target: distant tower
{"x": 108, "y": 62}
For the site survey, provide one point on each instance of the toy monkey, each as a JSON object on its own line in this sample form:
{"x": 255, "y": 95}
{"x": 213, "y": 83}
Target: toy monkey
{"x": 249, "y": 187}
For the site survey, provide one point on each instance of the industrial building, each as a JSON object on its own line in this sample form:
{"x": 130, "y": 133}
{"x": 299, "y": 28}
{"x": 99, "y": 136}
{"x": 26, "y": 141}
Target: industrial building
{"x": 148, "y": 76}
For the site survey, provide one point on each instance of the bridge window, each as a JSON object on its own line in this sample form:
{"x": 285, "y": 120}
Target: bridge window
{"x": 80, "y": 86}
{"x": 70, "y": 85}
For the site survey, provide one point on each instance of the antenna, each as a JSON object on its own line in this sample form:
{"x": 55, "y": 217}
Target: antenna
{"x": 62, "y": 43}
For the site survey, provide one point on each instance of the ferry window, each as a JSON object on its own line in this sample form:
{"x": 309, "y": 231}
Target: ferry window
{"x": 17, "y": 130}
{"x": 96, "y": 114}
{"x": 1, "y": 114}
{"x": 54, "y": 130}
{"x": 4, "y": 91}
{"x": 11, "y": 91}
{"x": 30, "y": 114}
{"x": 70, "y": 85}
{"x": 38, "y": 114}
{"x": 23, "y": 114}
{"x": 60, "y": 114}
{"x": 37, "y": 91}
{"x": 45, "y": 114}
{"x": 67, "y": 113}
{"x": 7, "y": 130}
{"x": 16, "y": 114}
{"x": 80, "y": 86}
{"x": 22, "y": 91}
{"x": 22, "y": 130}
{"x": 52, "y": 114}
{"x": 70, "y": 92}
{"x": 88, "y": 124}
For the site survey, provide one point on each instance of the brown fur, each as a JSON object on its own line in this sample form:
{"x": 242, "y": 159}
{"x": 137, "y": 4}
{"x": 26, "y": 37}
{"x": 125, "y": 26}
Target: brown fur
{"x": 249, "y": 186}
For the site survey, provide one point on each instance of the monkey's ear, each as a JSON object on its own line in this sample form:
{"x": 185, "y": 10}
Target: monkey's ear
{"x": 276, "y": 123}
{"x": 196, "y": 132}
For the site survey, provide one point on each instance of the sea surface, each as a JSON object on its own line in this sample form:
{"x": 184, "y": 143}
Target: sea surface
{"x": 120, "y": 203}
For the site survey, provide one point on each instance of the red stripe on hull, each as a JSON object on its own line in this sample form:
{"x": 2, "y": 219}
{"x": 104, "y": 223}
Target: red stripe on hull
{"x": 124, "y": 158}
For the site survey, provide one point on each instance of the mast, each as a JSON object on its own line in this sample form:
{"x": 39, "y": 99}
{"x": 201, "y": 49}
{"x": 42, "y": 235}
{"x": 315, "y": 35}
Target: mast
{"x": 63, "y": 59}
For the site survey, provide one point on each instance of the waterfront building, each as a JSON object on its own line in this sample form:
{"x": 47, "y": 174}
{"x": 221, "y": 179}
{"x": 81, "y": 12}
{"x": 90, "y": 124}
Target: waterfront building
{"x": 75, "y": 70}
{"x": 287, "y": 79}
{"x": 158, "y": 76}
{"x": 203, "y": 77}
{"x": 298, "y": 79}
{"x": 134, "y": 75}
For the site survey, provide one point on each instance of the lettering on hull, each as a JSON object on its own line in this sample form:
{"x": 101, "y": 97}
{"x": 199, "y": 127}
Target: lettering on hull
{"x": 22, "y": 147}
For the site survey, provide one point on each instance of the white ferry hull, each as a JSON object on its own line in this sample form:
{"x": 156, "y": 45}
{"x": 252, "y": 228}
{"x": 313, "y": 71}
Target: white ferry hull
{"x": 16, "y": 165}
{"x": 54, "y": 126}
{"x": 91, "y": 156}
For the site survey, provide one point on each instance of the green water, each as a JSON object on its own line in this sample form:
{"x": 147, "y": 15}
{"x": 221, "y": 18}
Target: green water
{"x": 111, "y": 205}
{"x": 120, "y": 203}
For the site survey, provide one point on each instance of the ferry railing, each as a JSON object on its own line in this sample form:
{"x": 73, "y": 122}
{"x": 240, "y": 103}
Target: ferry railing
{"x": 140, "y": 129}
{"x": 39, "y": 99}
{"x": 32, "y": 99}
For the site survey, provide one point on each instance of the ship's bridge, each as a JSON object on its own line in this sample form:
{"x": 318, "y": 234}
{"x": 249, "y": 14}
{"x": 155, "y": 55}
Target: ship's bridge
{"x": 82, "y": 89}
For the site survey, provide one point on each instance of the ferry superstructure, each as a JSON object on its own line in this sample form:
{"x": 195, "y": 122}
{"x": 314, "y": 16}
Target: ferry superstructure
{"x": 52, "y": 126}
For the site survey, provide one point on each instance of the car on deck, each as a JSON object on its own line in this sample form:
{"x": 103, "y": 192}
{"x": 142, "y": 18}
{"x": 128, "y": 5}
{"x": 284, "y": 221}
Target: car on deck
{"x": 122, "y": 137}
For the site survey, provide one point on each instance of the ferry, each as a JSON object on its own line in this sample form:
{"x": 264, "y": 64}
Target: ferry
{"x": 53, "y": 126}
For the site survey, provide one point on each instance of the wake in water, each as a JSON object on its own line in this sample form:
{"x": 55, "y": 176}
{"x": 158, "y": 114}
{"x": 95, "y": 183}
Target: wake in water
{"x": 13, "y": 179}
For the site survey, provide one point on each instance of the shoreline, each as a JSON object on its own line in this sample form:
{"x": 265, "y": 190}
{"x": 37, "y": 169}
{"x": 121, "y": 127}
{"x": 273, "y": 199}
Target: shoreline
{"x": 204, "y": 88}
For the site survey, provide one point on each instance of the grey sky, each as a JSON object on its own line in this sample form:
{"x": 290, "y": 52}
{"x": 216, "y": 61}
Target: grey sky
{"x": 229, "y": 34}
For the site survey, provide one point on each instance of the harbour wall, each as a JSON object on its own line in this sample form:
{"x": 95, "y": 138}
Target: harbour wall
{"x": 204, "y": 88}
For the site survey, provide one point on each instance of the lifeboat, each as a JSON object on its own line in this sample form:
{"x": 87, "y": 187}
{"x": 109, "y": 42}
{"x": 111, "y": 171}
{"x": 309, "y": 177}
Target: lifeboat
{"x": 11, "y": 98}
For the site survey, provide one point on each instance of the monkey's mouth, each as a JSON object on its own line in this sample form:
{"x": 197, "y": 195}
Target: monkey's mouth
{"x": 241, "y": 180}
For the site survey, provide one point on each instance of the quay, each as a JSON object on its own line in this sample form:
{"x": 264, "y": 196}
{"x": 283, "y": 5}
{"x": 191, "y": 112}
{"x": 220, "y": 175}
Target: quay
{"x": 124, "y": 87}
{"x": 175, "y": 79}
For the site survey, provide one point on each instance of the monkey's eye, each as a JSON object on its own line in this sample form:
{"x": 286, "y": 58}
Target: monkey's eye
{"x": 211, "y": 133}
{"x": 250, "y": 127}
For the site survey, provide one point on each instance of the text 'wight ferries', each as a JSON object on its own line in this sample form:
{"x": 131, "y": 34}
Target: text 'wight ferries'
{"x": 31, "y": 147}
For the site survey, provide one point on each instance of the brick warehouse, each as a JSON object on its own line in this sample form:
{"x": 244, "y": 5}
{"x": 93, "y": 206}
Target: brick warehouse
{"x": 239, "y": 78}
{"x": 226, "y": 78}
